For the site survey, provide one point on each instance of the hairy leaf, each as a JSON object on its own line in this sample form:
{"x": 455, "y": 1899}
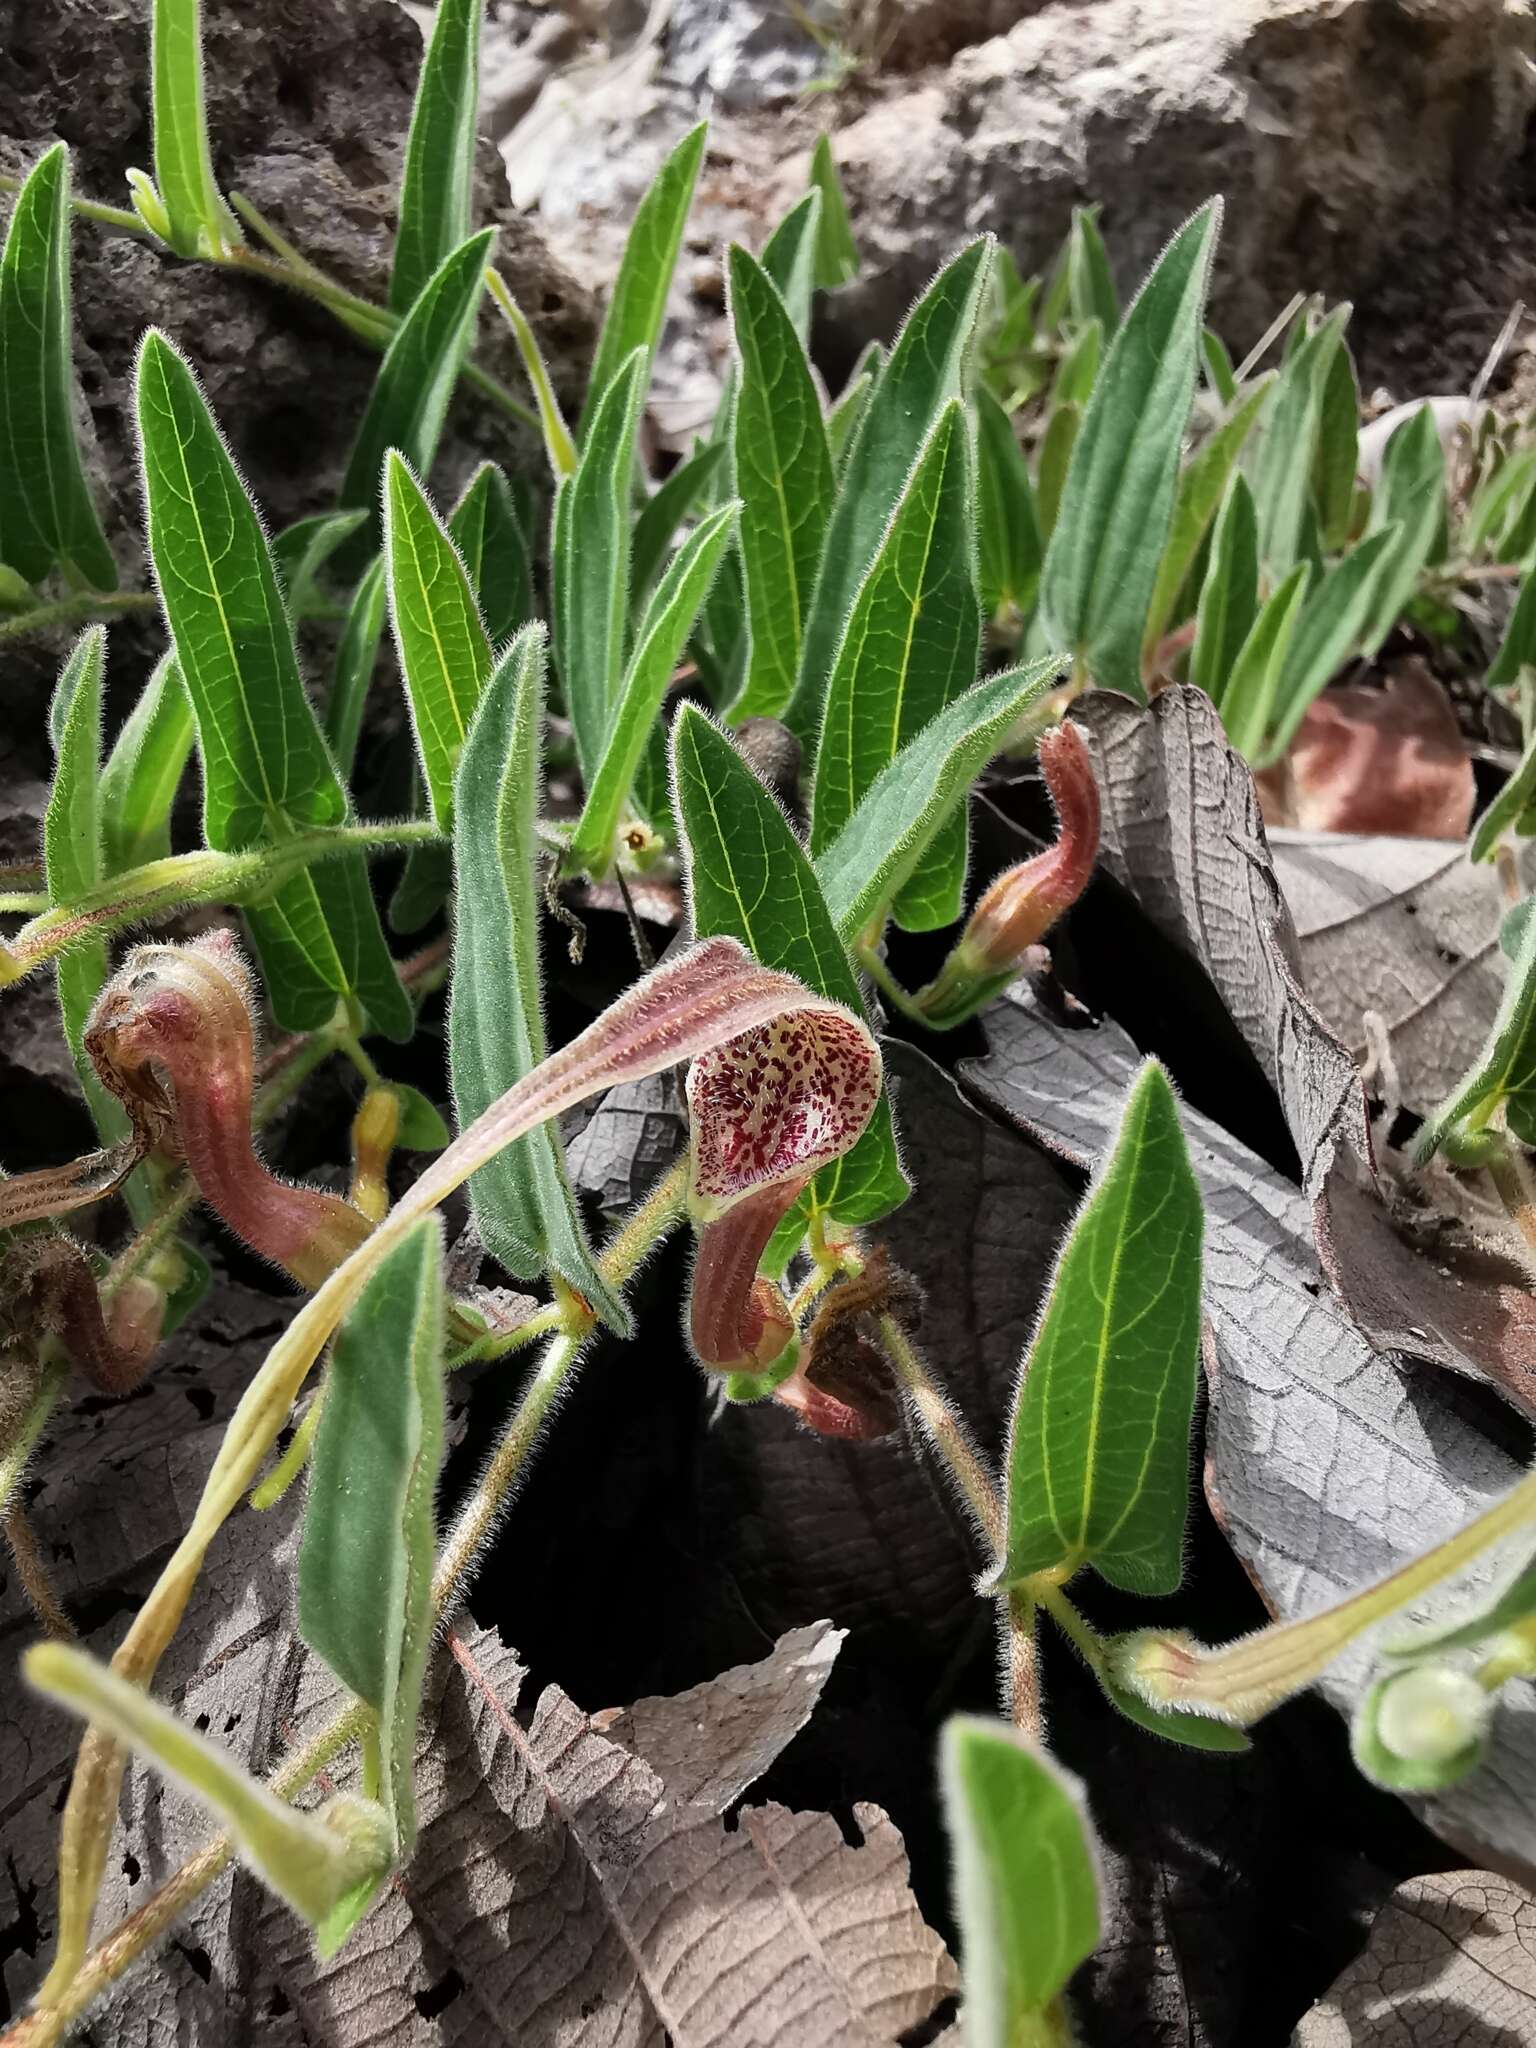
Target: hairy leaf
{"x": 445, "y": 656}
{"x": 837, "y": 254}
{"x": 749, "y": 878}
{"x": 1229, "y": 596}
{"x": 1411, "y": 497}
{"x": 783, "y": 473}
{"x": 485, "y": 528}
{"x": 522, "y": 1199}
{"x": 909, "y": 648}
{"x": 357, "y": 651}
{"x": 1334, "y": 622}
{"x": 1101, "y": 566}
{"x": 924, "y": 370}
{"x": 1026, "y": 1877}
{"x": 46, "y": 514}
{"x": 1335, "y": 464}
{"x": 1504, "y": 1074}
{"x": 659, "y": 639}
{"x": 909, "y": 800}
{"x": 1281, "y": 471}
{"x": 1098, "y": 1453}
{"x": 1007, "y": 528}
{"x": 302, "y": 550}
{"x": 639, "y": 298}
{"x": 789, "y": 258}
{"x": 199, "y": 222}
{"x": 435, "y": 190}
{"x": 365, "y": 1562}
{"x": 1253, "y": 682}
{"x": 664, "y": 512}
{"x": 144, "y": 771}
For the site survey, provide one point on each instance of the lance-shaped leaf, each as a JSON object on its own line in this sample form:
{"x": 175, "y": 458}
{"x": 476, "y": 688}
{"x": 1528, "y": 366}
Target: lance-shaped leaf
{"x": 664, "y": 512}
{"x": 1101, "y": 566}
{"x": 837, "y": 254}
{"x": 1336, "y": 463}
{"x": 144, "y": 771}
{"x": 1504, "y": 1074}
{"x": 909, "y": 648}
{"x": 639, "y": 299}
{"x": 1079, "y": 368}
{"x": 923, "y": 372}
{"x": 72, "y": 856}
{"x": 198, "y": 221}
{"x": 439, "y": 152}
{"x": 843, "y": 420}
{"x": 1252, "y": 687}
{"x": 1411, "y": 497}
{"x": 749, "y": 878}
{"x": 783, "y": 472}
{"x": 302, "y": 550}
{"x": 266, "y": 767}
{"x": 415, "y": 381}
{"x": 1055, "y": 464}
{"x": 1281, "y": 470}
{"x": 1229, "y": 596}
{"x": 789, "y": 258}
{"x": 1333, "y": 625}
{"x": 365, "y": 1561}
{"x": 909, "y": 800}
{"x": 590, "y": 563}
{"x": 488, "y": 534}
{"x": 311, "y": 1860}
{"x": 1200, "y": 491}
{"x": 1098, "y": 1448}
{"x": 1026, "y": 1880}
{"x": 46, "y": 514}
{"x": 357, "y": 653}
{"x": 1008, "y": 532}
{"x": 445, "y": 656}
{"x": 659, "y": 642}
{"x": 522, "y": 1199}
{"x": 1090, "y": 287}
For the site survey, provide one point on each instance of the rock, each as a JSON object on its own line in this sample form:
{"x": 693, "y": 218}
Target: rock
{"x": 743, "y": 54}
{"x": 1335, "y": 128}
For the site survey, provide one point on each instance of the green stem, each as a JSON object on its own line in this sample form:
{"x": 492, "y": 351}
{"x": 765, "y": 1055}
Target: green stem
{"x": 948, "y": 1434}
{"x": 881, "y": 975}
{"x": 76, "y": 610}
{"x": 24, "y": 903}
{"x": 45, "y": 1396}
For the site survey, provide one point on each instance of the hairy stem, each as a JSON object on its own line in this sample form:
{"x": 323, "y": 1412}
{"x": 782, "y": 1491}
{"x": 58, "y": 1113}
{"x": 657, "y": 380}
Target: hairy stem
{"x": 77, "y": 610}
{"x": 947, "y": 1433}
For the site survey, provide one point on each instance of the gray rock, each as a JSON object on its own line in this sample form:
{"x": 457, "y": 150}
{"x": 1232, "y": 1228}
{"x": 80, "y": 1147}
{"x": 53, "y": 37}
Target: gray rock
{"x": 741, "y": 53}
{"x": 1337, "y": 129}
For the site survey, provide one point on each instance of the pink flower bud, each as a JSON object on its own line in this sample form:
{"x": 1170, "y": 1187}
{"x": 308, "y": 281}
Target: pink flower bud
{"x": 1023, "y": 903}
{"x": 171, "y": 1035}
{"x": 49, "y": 1286}
{"x": 767, "y": 1109}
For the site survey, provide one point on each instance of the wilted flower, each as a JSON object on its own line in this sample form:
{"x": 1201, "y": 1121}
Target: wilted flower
{"x": 1022, "y": 904}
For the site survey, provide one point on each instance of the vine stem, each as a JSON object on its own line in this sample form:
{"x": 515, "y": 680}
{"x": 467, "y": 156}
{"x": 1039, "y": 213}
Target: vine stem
{"x": 109, "y": 1958}
{"x": 75, "y": 610}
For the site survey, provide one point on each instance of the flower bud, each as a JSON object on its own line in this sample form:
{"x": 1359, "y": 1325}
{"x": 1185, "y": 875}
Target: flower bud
{"x": 1432, "y": 1714}
{"x": 49, "y": 1285}
{"x": 1020, "y": 907}
{"x": 171, "y": 1036}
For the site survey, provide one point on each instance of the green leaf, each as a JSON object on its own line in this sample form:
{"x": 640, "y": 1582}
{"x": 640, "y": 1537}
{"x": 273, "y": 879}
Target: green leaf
{"x": 435, "y": 191}
{"x": 421, "y": 1127}
{"x": 522, "y": 1200}
{"x": 199, "y": 222}
{"x": 1079, "y": 368}
{"x": 658, "y": 643}
{"x": 844, "y": 417}
{"x": 1056, "y": 446}
{"x": 445, "y": 656}
{"x": 425, "y": 884}
{"x": 1098, "y": 1449}
{"x": 639, "y": 299}
{"x": 1173, "y": 1724}
{"x": 783, "y": 473}
{"x": 924, "y": 371}
{"x": 789, "y": 258}
{"x": 1008, "y": 530}
{"x": 837, "y": 254}
{"x": 1517, "y": 650}
{"x": 488, "y": 534}
{"x": 1411, "y": 496}
{"x": 415, "y": 381}
{"x": 1101, "y": 565}
{"x": 368, "y": 970}
{"x": 1218, "y": 369}
{"x": 1026, "y": 1879}
{"x": 590, "y": 550}
{"x": 302, "y": 550}
{"x": 1511, "y": 809}
{"x": 1333, "y": 626}
{"x": 1229, "y": 596}
{"x": 749, "y": 879}
{"x": 910, "y": 647}
{"x": 357, "y": 652}
{"x": 266, "y": 768}
{"x": 72, "y": 853}
{"x": 909, "y": 800}
{"x": 1336, "y": 462}
{"x": 1200, "y": 491}
{"x": 664, "y": 512}
{"x": 365, "y": 1559}
{"x": 1499, "y": 504}
{"x": 144, "y": 772}
{"x": 559, "y": 448}
{"x": 306, "y": 1858}
{"x": 46, "y": 514}
{"x": 1253, "y": 681}
{"x": 1091, "y": 288}
{"x": 1505, "y": 1069}
{"x": 1281, "y": 469}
